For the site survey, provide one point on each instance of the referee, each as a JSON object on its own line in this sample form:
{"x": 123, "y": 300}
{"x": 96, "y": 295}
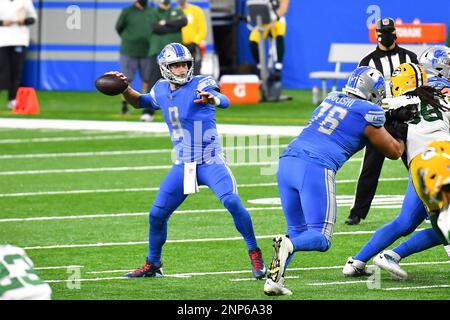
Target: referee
{"x": 386, "y": 57}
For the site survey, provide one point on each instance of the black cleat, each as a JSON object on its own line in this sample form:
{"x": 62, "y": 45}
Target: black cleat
{"x": 352, "y": 220}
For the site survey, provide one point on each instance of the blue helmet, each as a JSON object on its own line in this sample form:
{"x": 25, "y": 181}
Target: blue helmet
{"x": 367, "y": 83}
{"x": 436, "y": 61}
{"x": 173, "y": 53}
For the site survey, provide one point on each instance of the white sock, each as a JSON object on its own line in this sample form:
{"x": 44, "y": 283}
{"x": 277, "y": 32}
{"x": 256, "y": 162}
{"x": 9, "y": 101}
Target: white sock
{"x": 447, "y": 249}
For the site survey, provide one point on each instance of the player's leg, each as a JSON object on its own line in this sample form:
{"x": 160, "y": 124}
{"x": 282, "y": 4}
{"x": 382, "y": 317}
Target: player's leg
{"x": 278, "y": 33}
{"x": 419, "y": 241}
{"x": 254, "y": 41}
{"x": 220, "y": 179}
{"x": 289, "y": 179}
{"x": 411, "y": 215}
{"x": 318, "y": 196}
{"x": 168, "y": 199}
{"x": 389, "y": 260}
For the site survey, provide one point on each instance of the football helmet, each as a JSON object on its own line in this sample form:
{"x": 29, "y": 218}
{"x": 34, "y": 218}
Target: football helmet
{"x": 436, "y": 61}
{"x": 406, "y": 78}
{"x": 433, "y": 169}
{"x": 173, "y": 53}
{"x": 367, "y": 83}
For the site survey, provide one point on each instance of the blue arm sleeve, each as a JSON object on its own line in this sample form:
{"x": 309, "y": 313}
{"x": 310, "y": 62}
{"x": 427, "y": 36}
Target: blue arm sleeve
{"x": 148, "y": 100}
{"x": 224, "y": 101}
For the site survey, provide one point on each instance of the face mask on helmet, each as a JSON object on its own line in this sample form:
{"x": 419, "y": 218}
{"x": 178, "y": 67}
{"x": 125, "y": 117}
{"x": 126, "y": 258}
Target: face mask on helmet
{"x": 367, "y": 83}
{"x": 436, "y": 61}
{"x": 406, "y": 78}
{"x": 173, "y": 53}
{"x": 387, "y": 39}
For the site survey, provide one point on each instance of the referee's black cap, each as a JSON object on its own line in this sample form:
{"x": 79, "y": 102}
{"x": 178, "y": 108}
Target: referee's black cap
{"x": 385, "y": 25}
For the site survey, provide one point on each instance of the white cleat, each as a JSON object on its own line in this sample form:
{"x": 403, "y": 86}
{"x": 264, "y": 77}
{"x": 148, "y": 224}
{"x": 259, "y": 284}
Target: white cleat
{"x": 272, "y": 288}
{"x": 355, "y": 268}
{"x": 283, "y": 249}
{"x": 145, "y": 117}
{"x": 389, "y": 260}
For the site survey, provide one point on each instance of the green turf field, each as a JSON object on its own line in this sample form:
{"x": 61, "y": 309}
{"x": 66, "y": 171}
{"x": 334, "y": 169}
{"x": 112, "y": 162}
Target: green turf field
{"x": 95, "y": 106}
{"x": 79, "y": 201}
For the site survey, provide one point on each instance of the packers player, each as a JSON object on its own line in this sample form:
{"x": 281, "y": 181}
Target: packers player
{"x": 431, "y": 123}
{"x": 430, "y": 173}
{"x": 18, "y": 281}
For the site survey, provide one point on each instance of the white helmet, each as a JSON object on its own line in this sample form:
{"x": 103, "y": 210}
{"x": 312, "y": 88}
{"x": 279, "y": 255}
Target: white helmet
{"x": 436, "y": 61}
{"x": 367, "y": 83}
{"x": 173, "y": 53}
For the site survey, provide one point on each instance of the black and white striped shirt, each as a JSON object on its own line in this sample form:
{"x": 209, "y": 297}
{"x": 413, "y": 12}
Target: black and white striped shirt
{"x": 387, "y": 61}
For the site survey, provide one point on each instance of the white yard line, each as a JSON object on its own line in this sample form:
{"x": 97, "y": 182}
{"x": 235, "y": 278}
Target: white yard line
{"x": 61, "y": 139}
{"x": 134, "y": 126}
{"x": 109, "y": 244}
{"x": 194, "y": 274}
{"x": 134, "y": 168}
{"x": 249, "y": 185}
{"x": 418, "y": 287}
{"x": 126, "y": 152}
{"x": 114, "y": 215}
{"x": 57, "y": 267}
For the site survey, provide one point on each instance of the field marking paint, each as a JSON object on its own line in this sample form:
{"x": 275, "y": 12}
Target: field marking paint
{"x": 418, "y": 287}
{"x": 113, "y": 215}
{"x": 57, "y": 267}
{"x": 62, "y": 139}
{"x": 125, "y": 152}
{"x": 250, "y": 185}
{"x": 194, "y": 274}
{"x": 135, "y": 168}
{"x": 380, "y": 201}
{"x": 153, "y": 127}
{"x": 130, "y": 243}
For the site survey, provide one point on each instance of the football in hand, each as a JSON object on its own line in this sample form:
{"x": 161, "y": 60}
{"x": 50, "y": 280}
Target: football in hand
{"x": 111, "y": 84}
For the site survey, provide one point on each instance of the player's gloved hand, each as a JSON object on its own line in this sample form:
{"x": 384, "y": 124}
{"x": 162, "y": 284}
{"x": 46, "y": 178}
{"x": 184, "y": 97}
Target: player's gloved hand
{"x": 404, "y": 113}
{"x": 397, "y": 129}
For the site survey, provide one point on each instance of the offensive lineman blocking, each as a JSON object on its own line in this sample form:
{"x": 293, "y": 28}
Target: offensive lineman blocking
{"x": 339, "y": 127}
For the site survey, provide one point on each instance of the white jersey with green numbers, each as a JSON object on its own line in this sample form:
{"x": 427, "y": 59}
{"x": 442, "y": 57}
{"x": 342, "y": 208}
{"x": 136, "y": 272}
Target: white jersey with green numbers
{"x": 18, "y": 281}
{"x": 430, "y": 125}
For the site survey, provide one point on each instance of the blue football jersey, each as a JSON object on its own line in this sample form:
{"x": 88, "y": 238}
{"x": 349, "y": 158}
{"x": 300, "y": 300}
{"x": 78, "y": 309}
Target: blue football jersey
{"x": 438, "y": 83}
{"x": 192, "y": 126}
{"x": 335, "y": 130}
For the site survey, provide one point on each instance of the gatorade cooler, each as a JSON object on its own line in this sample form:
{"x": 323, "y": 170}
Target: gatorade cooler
{"x": 240, "y": 89}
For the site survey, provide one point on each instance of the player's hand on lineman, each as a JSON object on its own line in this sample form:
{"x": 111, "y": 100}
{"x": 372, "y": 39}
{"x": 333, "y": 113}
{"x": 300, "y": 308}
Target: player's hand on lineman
{"x": 205, "y": 98}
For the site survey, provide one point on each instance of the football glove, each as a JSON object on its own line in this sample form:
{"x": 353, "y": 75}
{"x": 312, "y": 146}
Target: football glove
{"x": 397, "y": 129}
{"x": 404, "y": 113}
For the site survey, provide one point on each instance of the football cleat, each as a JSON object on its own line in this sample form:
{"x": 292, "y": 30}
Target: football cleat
{"x": 258, "y": 267}
{"x": 355, "y": 268}
{"x": 146, "y": 117}
{"x": 272, "y": 288}
{"x": 389, "y": 260}
{"x": 283, "y": 249}
{"x": 147, "y": 271}
{"x": 352, "y": 220}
